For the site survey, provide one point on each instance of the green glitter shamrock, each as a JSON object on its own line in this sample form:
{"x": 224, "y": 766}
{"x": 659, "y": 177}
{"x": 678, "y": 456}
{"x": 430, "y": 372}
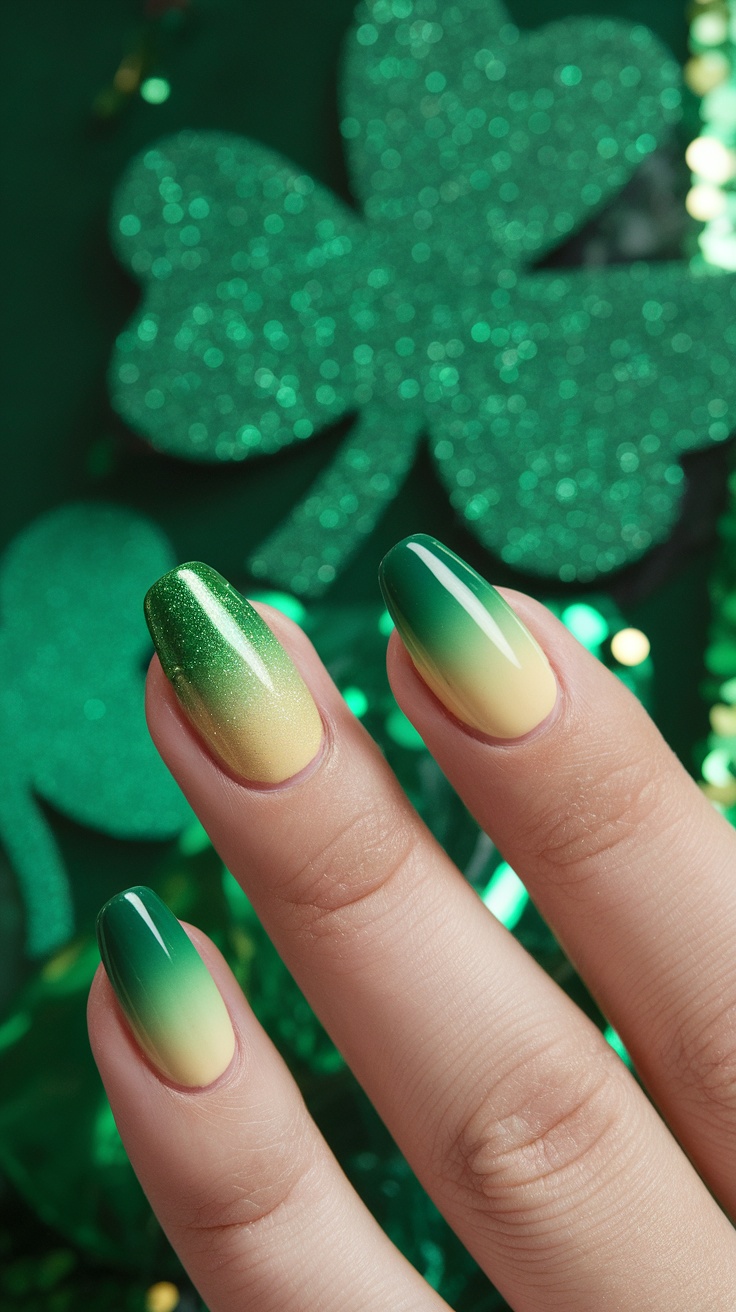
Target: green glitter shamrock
{"x": 557, "y": 404}
{"x": 72, "y": 732}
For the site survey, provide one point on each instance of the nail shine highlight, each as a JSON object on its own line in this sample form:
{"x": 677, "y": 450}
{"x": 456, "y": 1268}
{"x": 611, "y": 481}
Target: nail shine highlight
{"x": 466, "y": 642}
{"x": 169, "y": 998}
{"x": 231, "y": 675}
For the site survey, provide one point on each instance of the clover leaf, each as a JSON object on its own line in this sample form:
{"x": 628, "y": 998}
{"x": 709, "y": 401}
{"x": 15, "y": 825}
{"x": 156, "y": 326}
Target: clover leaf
{"x": 556, "y": 404}
{"x": 73, "y": 648}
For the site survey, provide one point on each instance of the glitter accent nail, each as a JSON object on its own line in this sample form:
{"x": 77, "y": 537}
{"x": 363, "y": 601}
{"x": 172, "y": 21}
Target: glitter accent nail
{"x": 235, "y": 682}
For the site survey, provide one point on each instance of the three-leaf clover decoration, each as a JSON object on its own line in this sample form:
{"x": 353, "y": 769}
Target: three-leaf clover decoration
{"x": 556, "y": 404}
{"x": 73, "y": 649}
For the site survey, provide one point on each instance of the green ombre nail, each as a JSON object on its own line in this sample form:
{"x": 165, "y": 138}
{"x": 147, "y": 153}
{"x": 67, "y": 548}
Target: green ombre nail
{"x": 467, "y": 643}
{"x": 170, "y": 1000}
{"x": 232, "y": 676}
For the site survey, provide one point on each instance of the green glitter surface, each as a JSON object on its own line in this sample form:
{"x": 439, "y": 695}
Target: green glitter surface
{"x": 557, "y": 405}
{"x": 234, "y": 680}
{"x": 73, "y": 651}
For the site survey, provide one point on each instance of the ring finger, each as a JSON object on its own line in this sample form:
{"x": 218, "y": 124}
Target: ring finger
{"x": 236, "y": 1171}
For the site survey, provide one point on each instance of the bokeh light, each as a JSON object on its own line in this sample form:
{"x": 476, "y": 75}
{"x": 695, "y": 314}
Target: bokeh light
{"x": 285, "y": 602}
{"x": 715, "y": 768}
{"x": 356, "y": 700}
{"x": 710, "y": 159}
{"x": 586, "y": 624}
{"x": 505, "y": 896}
{"x": 705, "y": 72}
{"x": 705, "y": 202}
{"x": 162, "y": 1297}
{"x": 155, "y": 90}
{"x": 402, "y": 731}
{"x": 614, "y": 1041}
{"x": 630, "y": 646}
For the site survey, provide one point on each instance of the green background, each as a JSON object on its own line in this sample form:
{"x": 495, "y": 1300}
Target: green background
{"x": 267, "y": 69}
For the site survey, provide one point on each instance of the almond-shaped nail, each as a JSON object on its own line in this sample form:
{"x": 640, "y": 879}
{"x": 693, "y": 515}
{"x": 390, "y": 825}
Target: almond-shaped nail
{"x": 232, "y": 677}
{"x": 169, "y": 998}
{"x": 467, "y": 643}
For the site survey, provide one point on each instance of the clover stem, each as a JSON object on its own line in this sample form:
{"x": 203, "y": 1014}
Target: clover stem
{"x": 307, "y": 551}
{"x": 35, "y": 857}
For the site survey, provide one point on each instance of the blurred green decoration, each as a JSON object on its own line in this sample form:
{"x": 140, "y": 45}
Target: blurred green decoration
{"x": 58, "y": 1142}
{"x": 711, "y": 73}
{"x": 557, "y": 404}
{"x": 718, "y": 753}
{"x": 73, "y": 651}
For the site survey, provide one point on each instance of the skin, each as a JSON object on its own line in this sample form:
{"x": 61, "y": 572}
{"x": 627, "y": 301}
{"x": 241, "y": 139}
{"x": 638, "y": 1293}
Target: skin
{"x": 570, "y": 1189}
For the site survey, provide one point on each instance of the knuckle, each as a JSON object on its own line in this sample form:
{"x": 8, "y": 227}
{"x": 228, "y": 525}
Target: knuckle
{"x": 346, "y": 880}
{"x": 699, "y": 1060}
{"x": 532, "y": 1143}
{"x": 613, "y": 797}
{"x": 226, "y": 1211}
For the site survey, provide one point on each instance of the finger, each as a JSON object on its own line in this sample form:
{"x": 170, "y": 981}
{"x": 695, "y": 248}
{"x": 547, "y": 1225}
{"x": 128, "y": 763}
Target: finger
{"x": 623, "y": 855}
{"x": 531, "y": 1136}
{"x": 237, "y": 1173}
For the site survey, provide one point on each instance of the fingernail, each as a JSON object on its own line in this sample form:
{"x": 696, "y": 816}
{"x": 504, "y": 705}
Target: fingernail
{"x": 231, "y": 675}
{"x": 467, "y": 643}
{"x": 170, "y": 1000}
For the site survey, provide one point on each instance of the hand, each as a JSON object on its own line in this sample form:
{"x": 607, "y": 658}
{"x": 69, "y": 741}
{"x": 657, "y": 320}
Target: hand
{"x": 534, "y": 1140}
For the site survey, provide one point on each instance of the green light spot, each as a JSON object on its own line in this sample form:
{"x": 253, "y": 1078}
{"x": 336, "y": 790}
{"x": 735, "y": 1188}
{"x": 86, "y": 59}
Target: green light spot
{"x": 94, "y": 709}
{"x": 715, "y": 767}
{"x": 107, "y": 1145}
{"x": 155, "y": 90}
{"x": 14, "y": 1029}
{"x": 571, "y": 75}
{"x": 284, "y": 602}
{"x": 728, "y": 691}
{"x": 385, "y": 624}
{"x": 613, "y": 1039}
{"x": 481, "y": 331}
{"x": 435, "y": 82}
{"x": 356, "y": 700}
{"x": 586, "y": 624}
{"x": 402, "y": 731}
{"x": 505, "y": 896}
{"x": 130, "y": 225}
{"x": 194, "y": 839}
